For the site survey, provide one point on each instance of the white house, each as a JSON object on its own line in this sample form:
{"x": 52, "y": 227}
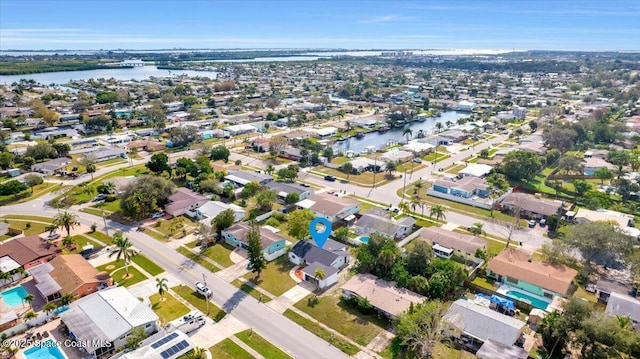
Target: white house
{"x": 211, "y": 209}
{"x": 102, "y": 322}
{"x": 475, "y": 170}
{"x": 331, "y": 207}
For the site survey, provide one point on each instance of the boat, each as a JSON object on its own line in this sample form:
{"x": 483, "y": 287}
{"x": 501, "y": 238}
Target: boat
{"x": 341, "y": 139}
{"x": 359, "y": 135}
{"x": 383, "y": 129}
{"x": 421, "y": 118}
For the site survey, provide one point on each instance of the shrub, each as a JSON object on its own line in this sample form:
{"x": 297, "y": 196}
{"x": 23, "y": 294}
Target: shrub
{"x": 111, "y": 198}
{"x": 272, "y": 222}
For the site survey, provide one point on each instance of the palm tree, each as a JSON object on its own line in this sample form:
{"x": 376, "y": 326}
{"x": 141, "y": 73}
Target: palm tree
{"x": 123, "y": 249}
{"x": 198, "y": 353}
{"x": 29, "y": 315}
{"x": 414, "y": 203}
{"x": 404, "y": 207}
{"x": 270, "y": 169}
{"x": 439, "y": 126}
{"x": 66, "y": 299}
{"x": 4, "y": 277}
{"x": 28, "y": 299}
{"x": 347, "y": 168}
{"x": 476, "y": 228}
{"x": 320, "y": 275}
{"x": 448, "y": 123}
{"x": 109, "y": 187}
{"x": 88, "y": 190}
{"x": 68, "y": 242}
{"x": 437, "y": 211}
{"x": 49, "y": 307}
{"x": 161, "y": 284}
{"x": 407, "y": 132}
{"x": 416, "y": 187}
{"x": 67, "y": 221}
{"x": 390, "y": 167}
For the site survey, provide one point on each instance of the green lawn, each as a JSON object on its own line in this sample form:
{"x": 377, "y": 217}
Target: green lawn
{"x": 347, "y": 321}
{"x": 34, "y": 229}
{"x": 275, "y": 277}
{"x": 198, "y": 301}
{"x": 102, "y": 237}
{"x": 80, "y": 241}
{"x": 219, "y": 253}
{"x": 198, "y": 259}
{"x": 118, "y": 273}
{"x": 484, "y": 283}
{"x": 365, "y": 178}
{"x": 93, "y": 211}
{"x": 250, "y": 290}
{"x": 169, "y": 308}
{"x": 437, "y": 157}
{"x": 113, "y": 206}
{"x": 323, "y": 333}
{"x": 155, "y": 234}
{"x": 261, "y": 345}
{"x": 164, "y": 226}
{"x": 227, "y": 349}
{"x": 147, "y": 265}
{"x": 28, "y": 218}
{"x": 192, "y": 244}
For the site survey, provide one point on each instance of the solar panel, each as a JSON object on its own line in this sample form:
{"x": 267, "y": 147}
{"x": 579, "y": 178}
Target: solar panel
{"x": 174, "y": 349}
{"x": 166, "y": 339}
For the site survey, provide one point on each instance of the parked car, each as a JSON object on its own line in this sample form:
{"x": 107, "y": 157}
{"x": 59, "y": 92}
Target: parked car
{"x": 543, "y": 222}
{"x": 157, "y": 215}
{"x": 53, "y": 236}
{"x": 417, "y": 160}
{"x": 532, "y": 223}
{"x": 330, "y": 178}
{"x": 304, "y": 185}
{"x": 203, "y": 289}
{"x": 99, "y": 197}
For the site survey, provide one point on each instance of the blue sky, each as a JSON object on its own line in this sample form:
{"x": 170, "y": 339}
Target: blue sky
{"x": 455, "y": 24}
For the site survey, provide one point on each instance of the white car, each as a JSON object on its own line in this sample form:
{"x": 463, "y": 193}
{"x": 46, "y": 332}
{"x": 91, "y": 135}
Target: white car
{"x": 157, "y": 215}
{"x": 203, "y": 289}
{"x": 53, "y": 236}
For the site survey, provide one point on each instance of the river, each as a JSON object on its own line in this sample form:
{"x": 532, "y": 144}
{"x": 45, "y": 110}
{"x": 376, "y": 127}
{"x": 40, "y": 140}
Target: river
{"x": 136, "y": 73}
{"x": 393, "y": 136}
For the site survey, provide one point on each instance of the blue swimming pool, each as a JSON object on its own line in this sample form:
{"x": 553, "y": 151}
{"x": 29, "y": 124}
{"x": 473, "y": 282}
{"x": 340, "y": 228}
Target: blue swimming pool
{"x": 538, "y": 303}
{"x": 13, "y": 297}
{"x": 61, "y": 309}
{"x": 364, "y": 239}
{"x": 47, "y": 349}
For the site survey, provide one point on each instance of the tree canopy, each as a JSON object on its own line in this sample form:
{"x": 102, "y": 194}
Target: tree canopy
{"x": 145, "y": 195}
{"x": 521, "y": 165}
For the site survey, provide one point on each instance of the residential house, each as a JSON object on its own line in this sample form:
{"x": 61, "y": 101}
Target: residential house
{"x": 120, "y": 182}
{"x": 466, "y": 187}
{"x": 454, "y": 136}
{"x": 26, "y": 252}
{"x": 419, "y": 146}
{"x": 102, "y": 154}
{"x": 384, "y": 296}
{"x": 585, "y": 215}
{"x": 460, "y": 244}
{"x": 331, "y": 207}
{"x": 174, "y": 106}
{"x": 144, "y": 145}
{"x": 609, "y": 284}
{"x": 366, "y": 122}
{"x": 536, "y": 147}
{"x": 291, "y": 153}
{"x": 467, "y": 106}
{"x": 331, "y": 258}
{"x": 273, "y": 245}
{"x": 362, "y": 164}
{"x": 211, "y": 209}
{"x": 50, "y": 167}
{"x": 241, "y": 178}
{"x": 260, "y": 144}
{"x": 516, "y": 269}
{"x": 397, "y": 156}
{"x": 325, "y": 132}
{"x": 475, "y": 170}
{"x": 103, "y": 321}
{"x": 531, "y": 206}
{"x": 377, "y": 221}
{"x": 625, "y": 306}
{"x": 591, "y": 164}
{"x": 184, "y": 201}
{"x": 283, "y": 189}
{"x": 68, "y": 274}
{"x": 298, "y": 135}
{"x": 168, "y": 346}
{"x": 496, "y": 350}
{"x": 479, "y": 324}
{"x": 239, "y": 129}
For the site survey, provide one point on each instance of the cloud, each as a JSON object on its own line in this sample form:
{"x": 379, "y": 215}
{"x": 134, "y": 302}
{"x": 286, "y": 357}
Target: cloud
{"x": 386, "y": 18}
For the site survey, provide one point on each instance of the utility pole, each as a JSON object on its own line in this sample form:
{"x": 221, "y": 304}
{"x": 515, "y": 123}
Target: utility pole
{"x": 404, "y": 186}
{"x": 375, "y": 169}
{"x": 106, "y": 228}
{"x": 204, "y": 280}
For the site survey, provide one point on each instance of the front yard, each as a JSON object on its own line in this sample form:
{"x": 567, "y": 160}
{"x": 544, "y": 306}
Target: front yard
{"x": 227, "y": 349}
{"x": 261, "y": 345}
{"x": 199, "y": 302}
{"x": 117, "y": 271}
{"x": 147, "y": 265}
{"x": 220, "y": 253}
{"x": 275, "y": 277}
{"x": 168, "y": 309}
{"x": 346, "y": 320}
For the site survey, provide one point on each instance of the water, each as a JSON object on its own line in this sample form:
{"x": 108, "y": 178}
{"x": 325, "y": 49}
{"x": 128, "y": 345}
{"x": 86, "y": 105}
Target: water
{"x": 364, "y": 239}
{"x": 45, "y": 350}
{"x": 13, "y": 297}
{"x": 136, "y": 73}
{"x": 538, "y": 303}
{"x": 271, "y": 59}
{"x": 393, "y": 136}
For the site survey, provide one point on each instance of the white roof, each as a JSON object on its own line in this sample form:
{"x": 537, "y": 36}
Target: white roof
{"x": 417, "y": 146}
{"x": 170, "y": 346}
{"x": 476, "y": 170}
{"x": 325, "y": 131}
{"x": 440, "y": 248}
{"x": 213, "y": 208}
{"x": 484, "y": 323}
{"x": 7, "y": 264}
{"x": 306, "y": 203}
{"x": 106, "y": 315}
{"x": 621, "y": 219}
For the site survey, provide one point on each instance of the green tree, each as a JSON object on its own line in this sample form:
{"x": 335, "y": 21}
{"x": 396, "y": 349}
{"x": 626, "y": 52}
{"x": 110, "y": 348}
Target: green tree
{"x": 28, "y": 161}
{"x": 144, "y": 195}
{"x": 223, "y": 221}
{"x": 619, "y": 159}
{"x": 533, "y": 125}
{"x": 49, "y": 307}
{"x": 68, "y": 242}
{"x": 257, "y": 262}
{"x": 581, "y": 187}
{"x": 265, "y": 199}
{"x": 420, "y": 329}
{"x": 33, "y": 180}
{"x": 571, "y": 164}
{"x": 407, "y": 132}
{"x": 476, "y": 228}
{"x": 91, "y": 169}
{"x": 390, "y": 167}
{"x": 158, "y": 163}
{"x": 593, "y": 239}
{"x": 418, "y": 258}
{"x": 28, "y": 299}
{"x": 124, "y": 250}
{"x": 29, "y": 315}
{"x": 521, "y": 165}
{"x": 67, "y": 221}
{"x": 438, "y": 212}
{"x": 292, "y": 198}
{"x": 298, "y": 223}
{"x": 603, "y": 173}
{"x": 155, "y": 116}
{"x": 220, "y": 153}
{"x": 66, "y": 299}
{"x": 347, "y": 168}
{"x": 276, "y": 145}
{"x": 135, "y": 339}
{"x": 319, "y": 275}
{"x": 6, "y": 160}
{"x": 162, "y": 286}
